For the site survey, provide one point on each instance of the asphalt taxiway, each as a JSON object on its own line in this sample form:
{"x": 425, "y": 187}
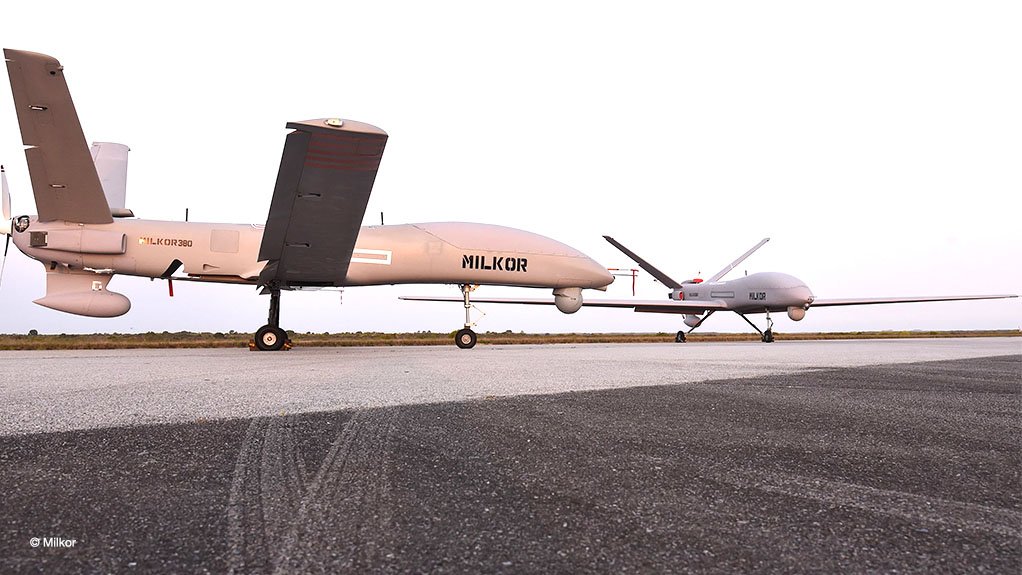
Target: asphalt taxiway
{"x": 803, "y": 456}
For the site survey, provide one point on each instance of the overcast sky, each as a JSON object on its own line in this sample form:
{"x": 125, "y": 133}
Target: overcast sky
{"x": 877, "y": 143}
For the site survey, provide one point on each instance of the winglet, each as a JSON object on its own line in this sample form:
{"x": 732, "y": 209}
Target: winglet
{"x": 664, "y": 278}
{"x": 735, "y": 263}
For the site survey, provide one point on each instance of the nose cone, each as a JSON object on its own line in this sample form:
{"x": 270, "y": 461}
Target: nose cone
{"x": 587, "y": 273}
{"x": 550, "y": 263}
{"x": 805, "y": 294}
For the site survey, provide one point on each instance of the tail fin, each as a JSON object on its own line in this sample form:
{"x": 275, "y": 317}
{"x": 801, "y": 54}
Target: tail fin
{"x": 112, "y": 167}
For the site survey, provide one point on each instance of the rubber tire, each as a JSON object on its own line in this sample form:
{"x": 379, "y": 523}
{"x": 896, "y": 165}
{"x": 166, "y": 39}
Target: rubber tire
{"x": 679, "y": 337}
{"x": 768, "y": 336}
{"x": 270, "y": 338}
{"x": 465, "y": 338}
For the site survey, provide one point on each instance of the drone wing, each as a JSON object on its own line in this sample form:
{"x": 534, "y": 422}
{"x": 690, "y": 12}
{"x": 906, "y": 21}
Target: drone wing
{"x": 735, "y": 263}
{"x": 650, "y": 268}
{"x": 879, "y": 300}
{"x": 326, "y": 174}
{"x": 642, "y": 306}
{"x": 64, "y": 178}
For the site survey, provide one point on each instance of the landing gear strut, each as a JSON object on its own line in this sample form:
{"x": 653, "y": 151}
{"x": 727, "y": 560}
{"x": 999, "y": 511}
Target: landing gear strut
{"x": 466, "y": 338}
{"x": 270, "y": 337}
{"x": 768, "y": 335}
{"x": 680, "y": 336}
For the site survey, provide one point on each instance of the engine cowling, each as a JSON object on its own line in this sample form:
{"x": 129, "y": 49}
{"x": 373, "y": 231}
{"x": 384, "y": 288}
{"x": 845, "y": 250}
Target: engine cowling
{"x": 796, "y": 313}
{"x": 692, "y": 320}
{"x": 81, "y": 241}
{"x": 568, "y": 300}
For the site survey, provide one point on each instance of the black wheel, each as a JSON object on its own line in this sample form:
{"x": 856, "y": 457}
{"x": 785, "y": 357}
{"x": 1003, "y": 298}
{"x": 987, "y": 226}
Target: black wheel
{"x": 465, "y": 338}
{"x": 679, "y": 337}
{"x": 270, "y": 338}
{"x": 768, "y": 336}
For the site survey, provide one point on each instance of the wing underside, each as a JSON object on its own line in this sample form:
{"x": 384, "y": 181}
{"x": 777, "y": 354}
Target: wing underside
{"x": 642, "y": 306}
{"x": 881, "y": 300}
{"x": 698, "y": 308}
{"x": 326, "y": 174}
{"x": 64, "y": 178}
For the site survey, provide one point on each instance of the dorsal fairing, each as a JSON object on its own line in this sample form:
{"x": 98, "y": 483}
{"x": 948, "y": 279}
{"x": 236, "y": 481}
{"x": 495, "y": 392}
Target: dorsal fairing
{"x": 774, "y": 280}
{"x": 678, "y": 293}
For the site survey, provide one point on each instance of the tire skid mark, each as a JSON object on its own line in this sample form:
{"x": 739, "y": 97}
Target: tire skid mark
{"x": 281, "y": 481}
{"x": 293, "y": 547}
{"x": 280, "y": 519}
{"x": 900, "y": 504}
{"x": 380, "y": 513}
{"x": 242, "y": 513}
{"x": 340, "y": 518}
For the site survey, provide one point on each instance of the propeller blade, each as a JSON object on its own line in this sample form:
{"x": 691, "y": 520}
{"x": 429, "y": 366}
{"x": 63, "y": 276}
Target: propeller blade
{"x": 6, "y": 194}
{"x": 3, "y": 265}
{"x": 5, "y": 225}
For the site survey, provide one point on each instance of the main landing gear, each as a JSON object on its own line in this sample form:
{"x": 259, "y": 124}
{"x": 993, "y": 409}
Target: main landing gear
{"x": 768, "y": 335}
{"x": 466, "y": 338}
{"x": 270, "y": 337}
{"x": 680, "y": 336}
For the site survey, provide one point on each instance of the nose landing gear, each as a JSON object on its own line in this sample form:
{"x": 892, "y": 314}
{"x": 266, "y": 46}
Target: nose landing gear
{"x": 466, "y": 338}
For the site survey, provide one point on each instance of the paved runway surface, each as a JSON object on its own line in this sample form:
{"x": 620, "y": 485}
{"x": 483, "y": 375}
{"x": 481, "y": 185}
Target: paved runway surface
{"x": 776, "y": 464}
